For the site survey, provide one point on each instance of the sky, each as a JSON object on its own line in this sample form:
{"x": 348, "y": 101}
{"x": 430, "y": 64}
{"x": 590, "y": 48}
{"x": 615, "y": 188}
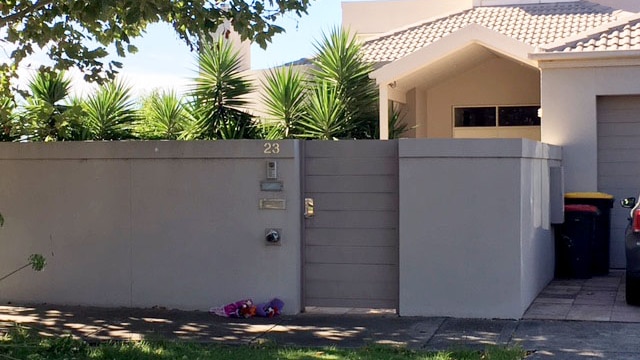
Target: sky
{"x": 164, "y": 62}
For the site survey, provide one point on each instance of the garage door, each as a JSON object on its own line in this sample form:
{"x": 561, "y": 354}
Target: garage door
{"x": 619, "y": 161}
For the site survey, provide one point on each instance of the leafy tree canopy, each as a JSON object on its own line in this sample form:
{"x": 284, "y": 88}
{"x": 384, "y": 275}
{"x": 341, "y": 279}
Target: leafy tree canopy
{"x": 77, "y": 33}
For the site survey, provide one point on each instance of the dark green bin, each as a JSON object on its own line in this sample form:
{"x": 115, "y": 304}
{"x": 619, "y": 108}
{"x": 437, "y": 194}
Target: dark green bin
{"x": 574, "y": 242}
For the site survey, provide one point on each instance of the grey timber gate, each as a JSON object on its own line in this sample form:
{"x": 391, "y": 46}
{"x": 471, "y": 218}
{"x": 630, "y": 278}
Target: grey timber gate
{"x": 350, "y": 251}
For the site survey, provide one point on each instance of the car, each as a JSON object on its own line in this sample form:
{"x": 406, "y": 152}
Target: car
{"x": 632, "y": 251}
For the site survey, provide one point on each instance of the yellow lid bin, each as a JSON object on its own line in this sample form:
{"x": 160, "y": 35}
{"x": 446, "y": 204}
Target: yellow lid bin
{"x": 588, "y": 195}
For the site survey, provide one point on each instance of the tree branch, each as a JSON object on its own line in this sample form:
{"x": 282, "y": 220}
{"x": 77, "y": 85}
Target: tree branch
{"x": 21, "y": 14}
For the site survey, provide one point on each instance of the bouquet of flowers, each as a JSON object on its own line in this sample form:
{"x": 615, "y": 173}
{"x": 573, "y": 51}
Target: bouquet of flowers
{"x": 246, "y": 309}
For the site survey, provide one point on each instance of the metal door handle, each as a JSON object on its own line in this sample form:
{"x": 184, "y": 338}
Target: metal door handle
{"x": 308, "y": 208}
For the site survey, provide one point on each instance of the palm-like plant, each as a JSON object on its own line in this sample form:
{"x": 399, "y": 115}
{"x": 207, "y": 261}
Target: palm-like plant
{"x": 326, "y": 117}
{"x": 338, "y": 100}
{"x": 338, "y": 62}
{"x": 51, "y": 87}
{"x": 220, "y": 92}
{"x": 109, "y": 113}
{"x": 45, "y": 117}
{"x": 162, "y": 116}
{"x": 284, "y": 98}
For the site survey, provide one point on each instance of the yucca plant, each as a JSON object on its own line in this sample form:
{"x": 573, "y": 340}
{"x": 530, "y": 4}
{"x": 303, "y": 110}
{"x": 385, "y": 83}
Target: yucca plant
{"x": 163, "y": 115}
{"x": 109, "y": 113}
{"x": 326, "y": 117}
{"x": 220, "y": 93}
{"x": 284, "y": 98}
{"x": 46, "y": 116}
{"x": 51, "y": 87}
{"x": 339, "y": 63}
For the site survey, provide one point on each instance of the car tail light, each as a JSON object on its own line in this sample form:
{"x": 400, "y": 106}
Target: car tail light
{"x": 636, "y": 220}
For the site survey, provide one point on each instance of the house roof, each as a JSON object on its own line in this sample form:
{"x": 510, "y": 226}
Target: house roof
{"x": 533, "y": 24}
{"x": 624, "y": 36}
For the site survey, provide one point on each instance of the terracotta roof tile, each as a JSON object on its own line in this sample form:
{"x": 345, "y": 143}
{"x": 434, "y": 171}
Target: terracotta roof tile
{"x": 534, "y": 24}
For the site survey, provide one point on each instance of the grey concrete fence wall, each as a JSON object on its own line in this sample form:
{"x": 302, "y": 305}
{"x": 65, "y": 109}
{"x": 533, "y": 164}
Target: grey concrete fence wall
{"x": 182, "y": 224}
{"x": 174, "y": 224}
{"x": 475, "y": 237}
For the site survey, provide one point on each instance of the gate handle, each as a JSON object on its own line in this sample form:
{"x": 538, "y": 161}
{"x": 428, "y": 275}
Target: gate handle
{"x": 308, "y": 208}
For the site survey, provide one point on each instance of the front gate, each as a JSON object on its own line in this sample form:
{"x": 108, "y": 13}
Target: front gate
{"x": 351, "y": 239}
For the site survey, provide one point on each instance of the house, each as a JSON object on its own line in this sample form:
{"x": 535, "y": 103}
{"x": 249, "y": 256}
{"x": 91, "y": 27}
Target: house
{"x": 440, "y": 227}
{"x": 561, "y": 72}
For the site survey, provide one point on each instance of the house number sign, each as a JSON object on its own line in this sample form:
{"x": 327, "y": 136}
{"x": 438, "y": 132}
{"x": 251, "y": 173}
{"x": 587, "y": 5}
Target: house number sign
{"x": 271, "y": 148}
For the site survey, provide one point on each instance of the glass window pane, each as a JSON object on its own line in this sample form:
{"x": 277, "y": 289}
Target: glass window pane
{"x": 518, "y": 116}
{"x": 475, "y": 116}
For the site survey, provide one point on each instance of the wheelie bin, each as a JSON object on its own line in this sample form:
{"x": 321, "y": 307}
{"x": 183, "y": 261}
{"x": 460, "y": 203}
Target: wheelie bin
{"x": 602, "y": 239}
{"x": 574, "y": 242}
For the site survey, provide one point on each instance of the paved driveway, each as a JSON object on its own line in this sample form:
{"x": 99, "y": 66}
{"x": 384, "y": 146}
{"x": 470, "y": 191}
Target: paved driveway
{"x": 600, "y": 298}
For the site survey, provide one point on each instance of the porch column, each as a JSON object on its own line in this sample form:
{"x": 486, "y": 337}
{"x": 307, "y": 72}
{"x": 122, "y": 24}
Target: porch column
{"x": 384, "y": 112}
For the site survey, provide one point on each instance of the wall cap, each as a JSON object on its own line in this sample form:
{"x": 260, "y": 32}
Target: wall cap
{"x": 478, "y": 148}
{"x": 140, "y": 149}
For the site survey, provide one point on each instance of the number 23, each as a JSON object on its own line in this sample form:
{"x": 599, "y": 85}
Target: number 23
{"x": 271, "y": 148}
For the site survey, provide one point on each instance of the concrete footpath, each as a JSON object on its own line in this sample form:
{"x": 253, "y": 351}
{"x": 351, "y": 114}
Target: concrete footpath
{"x": 546, "y": 339}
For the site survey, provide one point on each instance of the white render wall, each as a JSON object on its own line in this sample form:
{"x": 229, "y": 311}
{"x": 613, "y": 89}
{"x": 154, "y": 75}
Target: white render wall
{"x": 481, "y": 245}
{"x": 140, "y": 224}
{"x": 569, "y": 91}
{"x": 374, "y": 17}
{"x": 537, "y": 250}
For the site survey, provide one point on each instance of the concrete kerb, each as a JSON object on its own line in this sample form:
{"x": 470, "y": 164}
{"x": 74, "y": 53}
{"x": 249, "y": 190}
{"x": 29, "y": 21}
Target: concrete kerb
{"x": 545, "y": 339}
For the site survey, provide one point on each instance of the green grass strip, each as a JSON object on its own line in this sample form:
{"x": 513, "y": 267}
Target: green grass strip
{"x": 20, "y": 343}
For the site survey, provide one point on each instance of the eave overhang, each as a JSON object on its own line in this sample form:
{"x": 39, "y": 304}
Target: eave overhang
{"x": 457, "y": 42}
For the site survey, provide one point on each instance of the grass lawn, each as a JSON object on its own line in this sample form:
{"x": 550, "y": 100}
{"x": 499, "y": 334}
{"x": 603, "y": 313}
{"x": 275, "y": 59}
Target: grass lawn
{"x": 21, "y": 344}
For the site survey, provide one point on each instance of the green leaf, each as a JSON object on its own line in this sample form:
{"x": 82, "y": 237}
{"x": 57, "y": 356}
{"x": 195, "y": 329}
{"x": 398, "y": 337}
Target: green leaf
{"x": 1, "y": 221}
{"x": 119, "y": 48}
{"x": 37, "y": 262}
{"x": 133, "y": 15}
{"x": 66, "y": 31}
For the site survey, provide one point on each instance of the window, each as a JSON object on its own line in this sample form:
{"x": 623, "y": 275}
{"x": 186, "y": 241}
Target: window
{"x": 492, "y": 116}
{"x": 518, "y": 116}
{"x": 475, "y": 116}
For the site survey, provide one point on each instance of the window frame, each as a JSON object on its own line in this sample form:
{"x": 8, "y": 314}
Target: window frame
{"x": 497, "y": 116}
